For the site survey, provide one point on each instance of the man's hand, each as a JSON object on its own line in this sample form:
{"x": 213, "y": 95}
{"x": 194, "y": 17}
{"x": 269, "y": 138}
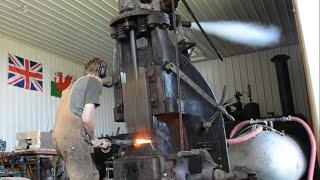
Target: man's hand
{"x": 101, "y": 143}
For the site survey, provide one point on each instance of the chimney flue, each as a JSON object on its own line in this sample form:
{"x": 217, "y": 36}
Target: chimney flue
{"x": 284, "y": 85}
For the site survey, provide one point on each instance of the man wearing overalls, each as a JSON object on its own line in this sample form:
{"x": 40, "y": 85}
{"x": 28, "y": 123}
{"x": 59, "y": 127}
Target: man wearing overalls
{"x": 73, "y": 133}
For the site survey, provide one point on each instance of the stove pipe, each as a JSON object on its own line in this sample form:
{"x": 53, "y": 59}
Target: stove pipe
{"x": 284, "y": 85}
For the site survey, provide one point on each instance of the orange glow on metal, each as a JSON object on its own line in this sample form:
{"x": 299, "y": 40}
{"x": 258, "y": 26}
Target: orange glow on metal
{"x": 139, "y": 141}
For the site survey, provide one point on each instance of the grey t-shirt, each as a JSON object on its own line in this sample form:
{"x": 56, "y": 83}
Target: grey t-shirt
{"x": 86, "y": 90}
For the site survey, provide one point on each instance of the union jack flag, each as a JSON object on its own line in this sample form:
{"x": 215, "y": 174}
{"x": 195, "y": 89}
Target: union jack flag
{"x": 24, "y": 73}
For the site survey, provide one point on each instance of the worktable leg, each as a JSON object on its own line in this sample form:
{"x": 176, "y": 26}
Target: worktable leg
{"x": 38, "y": 168}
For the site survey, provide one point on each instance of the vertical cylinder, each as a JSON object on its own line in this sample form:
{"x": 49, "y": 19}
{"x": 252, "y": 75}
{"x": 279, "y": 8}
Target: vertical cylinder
{"x": 284, "y": 85}
{"x": 134, "y": 53}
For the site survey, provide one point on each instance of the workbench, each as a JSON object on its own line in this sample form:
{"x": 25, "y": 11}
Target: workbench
{"x": 34, "y": 157}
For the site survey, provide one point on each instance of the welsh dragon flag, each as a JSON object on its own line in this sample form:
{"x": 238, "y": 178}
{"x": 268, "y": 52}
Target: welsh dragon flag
{"x": 60, "y": 82}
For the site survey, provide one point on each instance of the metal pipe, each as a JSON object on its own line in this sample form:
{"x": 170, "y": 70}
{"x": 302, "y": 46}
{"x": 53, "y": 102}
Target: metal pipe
{"x": 284, "y": 85}
{"x": 201, "y": 29}
{"x": 114, "y": 61}
{"x": 177, "y": 59}
{"x": 134, "y": 53}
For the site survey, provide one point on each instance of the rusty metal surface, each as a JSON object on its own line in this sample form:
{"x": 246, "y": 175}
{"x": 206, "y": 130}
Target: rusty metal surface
{"x": 155, "y": 94}
{"x": 35, "y": 151}
{"x": 144, "y": 168}
{"x": 136, "y": 102}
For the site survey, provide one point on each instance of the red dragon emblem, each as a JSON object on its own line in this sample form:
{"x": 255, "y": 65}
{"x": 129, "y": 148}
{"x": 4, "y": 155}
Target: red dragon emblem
{"x": 62, "y": 83}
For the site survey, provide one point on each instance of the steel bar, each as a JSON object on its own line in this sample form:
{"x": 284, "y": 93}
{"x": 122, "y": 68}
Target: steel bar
{"x": 198, "y": 89}
{"x": 134, "y": 53}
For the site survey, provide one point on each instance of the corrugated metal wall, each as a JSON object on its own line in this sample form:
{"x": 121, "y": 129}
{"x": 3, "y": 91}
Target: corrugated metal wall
{"x": 257, "y": 70}
{"x": 24, "y": 110}
{"x": 105, "y": 124}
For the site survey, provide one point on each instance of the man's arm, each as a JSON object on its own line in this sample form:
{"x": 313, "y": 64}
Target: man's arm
{"x": 87, "y": 119}
{"x": 88, "y": 123}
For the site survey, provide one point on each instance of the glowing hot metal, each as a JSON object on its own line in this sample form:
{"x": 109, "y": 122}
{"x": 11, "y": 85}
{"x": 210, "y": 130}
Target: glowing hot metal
{"x": 139, "y": 141}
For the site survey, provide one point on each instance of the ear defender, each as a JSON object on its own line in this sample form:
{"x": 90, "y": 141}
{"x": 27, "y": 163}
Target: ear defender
{"x": 103, "y": 70}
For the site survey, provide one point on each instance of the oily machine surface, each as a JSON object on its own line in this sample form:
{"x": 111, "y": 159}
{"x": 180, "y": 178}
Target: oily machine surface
{"x": 176, "y": 125}
{"x": 148, "y": 96}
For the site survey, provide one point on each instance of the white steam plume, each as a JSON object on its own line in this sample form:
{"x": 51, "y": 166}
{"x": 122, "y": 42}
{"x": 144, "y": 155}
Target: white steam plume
{"x": 249, "y": 34}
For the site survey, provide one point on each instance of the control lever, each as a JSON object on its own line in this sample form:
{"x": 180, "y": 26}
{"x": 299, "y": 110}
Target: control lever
{"x": 171, "y": 67}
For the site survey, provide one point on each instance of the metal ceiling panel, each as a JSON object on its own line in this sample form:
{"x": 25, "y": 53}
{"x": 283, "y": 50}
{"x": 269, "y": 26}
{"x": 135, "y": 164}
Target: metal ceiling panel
{"x": 265, "y": 12}
{"x": 79, "y": 29}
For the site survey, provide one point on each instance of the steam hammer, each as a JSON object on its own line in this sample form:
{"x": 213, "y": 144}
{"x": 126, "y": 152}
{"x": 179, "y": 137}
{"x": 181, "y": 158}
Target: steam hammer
{"x": 146, "y": 93}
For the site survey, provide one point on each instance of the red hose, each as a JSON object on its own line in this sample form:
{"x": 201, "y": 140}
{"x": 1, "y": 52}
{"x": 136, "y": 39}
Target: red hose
{"x": 312, "y": 145}
{"x": 312, "y": 140}
{"x": 245, "y": 137}
{"x": 237, "y": 127}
